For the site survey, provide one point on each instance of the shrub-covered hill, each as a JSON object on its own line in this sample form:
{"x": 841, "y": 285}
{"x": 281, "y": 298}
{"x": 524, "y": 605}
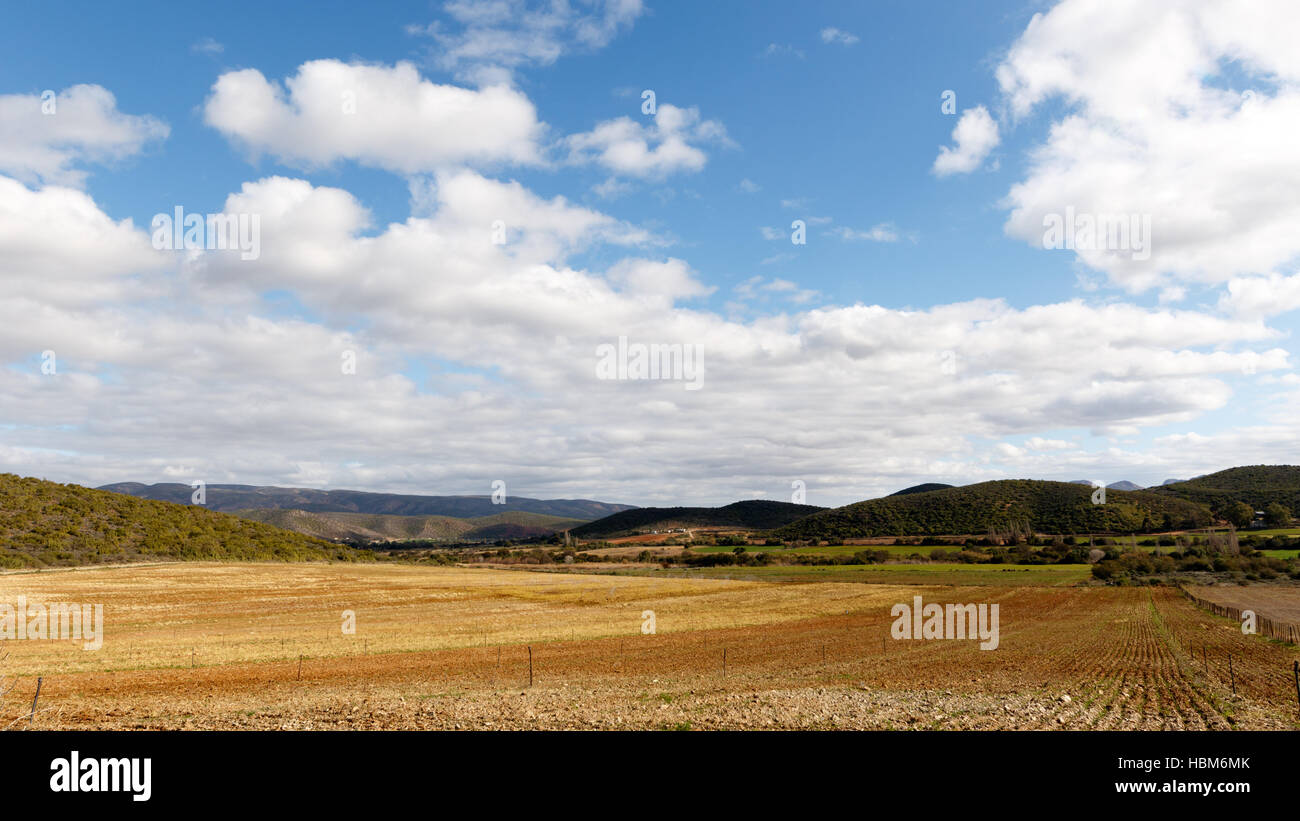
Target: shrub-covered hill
{"x": 46, "y": 524}
{"x": 1257, "y": 485}
{"x": 755, "y": 514}
{"x": 1024, "y": 504}
{"x": 378, "y": 527}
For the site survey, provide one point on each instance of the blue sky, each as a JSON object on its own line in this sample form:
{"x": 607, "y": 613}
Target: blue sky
{"x": 850, "y": 130}
{"x": 1084, "y": 365}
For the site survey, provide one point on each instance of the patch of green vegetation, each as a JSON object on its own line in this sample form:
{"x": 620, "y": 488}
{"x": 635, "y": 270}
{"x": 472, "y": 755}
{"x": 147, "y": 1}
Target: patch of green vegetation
{"x": 1276, "y": 531}
{"x": 1216, "y": 553}
{"x": 898, "y": 551}
{"x": 1281, "y": 554}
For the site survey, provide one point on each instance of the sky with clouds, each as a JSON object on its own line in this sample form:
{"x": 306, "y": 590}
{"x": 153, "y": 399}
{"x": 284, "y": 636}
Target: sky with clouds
{"x": 842, "y": 209}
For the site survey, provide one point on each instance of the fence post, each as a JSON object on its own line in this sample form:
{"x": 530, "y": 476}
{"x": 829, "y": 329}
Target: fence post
{"x": 1295, "y": 668}
{"x": 1231, "y": 675}
{"x": 530, "y": 665}
{"x": 32, "y": 716}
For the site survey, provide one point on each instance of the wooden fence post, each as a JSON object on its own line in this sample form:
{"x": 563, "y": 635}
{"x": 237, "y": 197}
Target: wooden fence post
{"x": 32, "y": 716}
{"x": 530, "y": 665}
{"x": 1231, "y": 675}
{"x": 1295, "y": 668}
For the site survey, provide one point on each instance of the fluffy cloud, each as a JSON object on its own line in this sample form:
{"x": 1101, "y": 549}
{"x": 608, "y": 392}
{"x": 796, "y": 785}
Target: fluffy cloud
{"x": 976, "y": 135}
{"x": 44, "y": 137}
{"x": 1261, "y": 296}
{"x": 475, "y": 361}
{"x": 1184, "y": 114}
{"x": 382, "y": 116}
{"x": 57, "y": 248}
{"x": 669, "y": 145}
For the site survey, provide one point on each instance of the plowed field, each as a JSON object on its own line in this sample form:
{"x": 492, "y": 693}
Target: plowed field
{"x": 261, "y": 646}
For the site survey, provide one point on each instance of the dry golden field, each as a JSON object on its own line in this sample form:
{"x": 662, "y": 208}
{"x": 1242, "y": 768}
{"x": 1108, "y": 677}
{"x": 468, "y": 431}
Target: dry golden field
{"x": 220, "y": 646}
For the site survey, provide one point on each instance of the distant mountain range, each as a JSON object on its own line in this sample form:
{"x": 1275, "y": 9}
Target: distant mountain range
{"x": 379, "y": 527}
{"x": 231, "y": 498}
{"x": 1121, "y": 485}
{"x": 753, "y": 514}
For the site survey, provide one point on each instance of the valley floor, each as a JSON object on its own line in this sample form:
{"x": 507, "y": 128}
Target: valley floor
{"x": 260, "y": 646}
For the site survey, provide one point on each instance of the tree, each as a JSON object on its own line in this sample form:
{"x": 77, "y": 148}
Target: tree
{"x": 1277, "y": 515}
{"x": 1239, "y": 514}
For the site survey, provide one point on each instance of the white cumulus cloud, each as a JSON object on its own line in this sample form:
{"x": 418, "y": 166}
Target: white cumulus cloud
{"x": 46, "y": 137}
{"x": 382, "y": 116}
{"x": 975, "y": 136}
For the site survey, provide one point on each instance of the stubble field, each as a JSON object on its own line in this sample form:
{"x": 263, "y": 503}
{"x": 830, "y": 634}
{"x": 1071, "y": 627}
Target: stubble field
{"x": 261, "y": 646}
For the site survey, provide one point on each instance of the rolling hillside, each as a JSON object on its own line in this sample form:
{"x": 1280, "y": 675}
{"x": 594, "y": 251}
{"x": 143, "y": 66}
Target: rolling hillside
{"x": 1256, "y": 485}
{"x": 45, "y": 524}
{"x": 1046, "y": 507}
{"x": 229, "y": 498}
{"x": 382, "y": 527}
{"x": 756, "y": 514}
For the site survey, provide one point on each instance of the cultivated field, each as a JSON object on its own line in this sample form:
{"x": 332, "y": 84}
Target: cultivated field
{"x": 1041, "y": 575}
{"x": 1278, "y": 602}
{"x": 219, "y": 645}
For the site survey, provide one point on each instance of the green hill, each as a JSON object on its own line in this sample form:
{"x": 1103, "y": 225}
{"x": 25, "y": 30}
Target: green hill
{"x": 383, "y": 527}
{"x": 755, "y": 514}
{"x": 46, "y": 524}
{"x": 1044, "y": 507}
{"x": 1256, "y": 485}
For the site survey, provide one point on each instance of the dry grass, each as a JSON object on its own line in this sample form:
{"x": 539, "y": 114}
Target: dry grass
{"x": 233, "y": 613}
